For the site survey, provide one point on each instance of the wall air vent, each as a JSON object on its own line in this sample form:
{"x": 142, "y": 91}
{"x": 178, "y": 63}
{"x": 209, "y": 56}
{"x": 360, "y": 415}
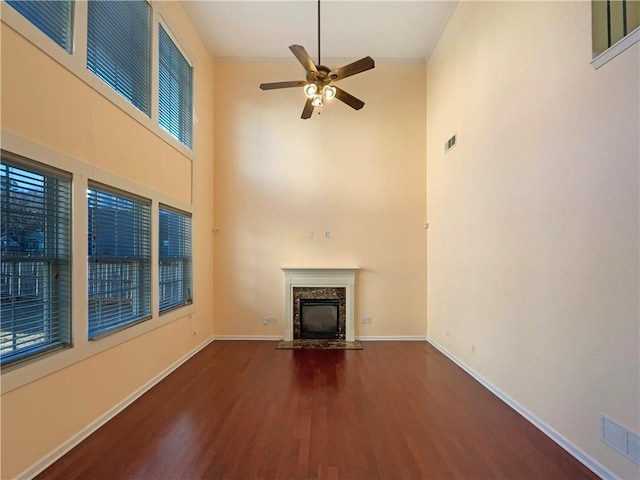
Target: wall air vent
{"x": 449, "y": 144}
{"x": 621, "y": 439}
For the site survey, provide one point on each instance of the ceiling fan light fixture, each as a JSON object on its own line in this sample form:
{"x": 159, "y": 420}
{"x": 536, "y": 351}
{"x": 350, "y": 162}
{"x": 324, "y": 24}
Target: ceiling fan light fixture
{"x": 310, "y": 90}
{"x": 329, "y": 92}
{"x": 317, "y": 100}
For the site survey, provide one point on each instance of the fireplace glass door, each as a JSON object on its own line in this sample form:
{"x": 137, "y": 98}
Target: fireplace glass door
{"x": 319, "y": 318}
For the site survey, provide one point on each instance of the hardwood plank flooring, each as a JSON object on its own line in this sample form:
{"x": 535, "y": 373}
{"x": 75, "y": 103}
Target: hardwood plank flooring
{"x": 244, "y": 410}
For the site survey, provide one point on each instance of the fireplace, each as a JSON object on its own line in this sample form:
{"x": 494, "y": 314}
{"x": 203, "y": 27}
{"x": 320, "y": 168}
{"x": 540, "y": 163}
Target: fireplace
{"x": 319, "y": 318}
{"x": 330, "y": 292}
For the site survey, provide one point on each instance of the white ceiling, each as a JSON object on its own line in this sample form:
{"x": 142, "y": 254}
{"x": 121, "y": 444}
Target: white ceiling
{"x": 390, "y": 30}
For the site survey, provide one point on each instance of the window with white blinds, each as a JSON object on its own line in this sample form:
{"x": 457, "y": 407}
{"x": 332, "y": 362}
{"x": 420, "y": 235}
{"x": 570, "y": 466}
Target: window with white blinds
{"x": 35, "y": 241}
{"x": 119, "y": 250}
{"x": 53, "y": 18}
{"x": 175, "y": 258}
{"x": 118, "y": 47}
{"x": 175, "y": 83}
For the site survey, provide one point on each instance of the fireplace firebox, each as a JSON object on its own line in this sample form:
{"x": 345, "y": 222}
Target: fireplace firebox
{"x": 319, "y": 318}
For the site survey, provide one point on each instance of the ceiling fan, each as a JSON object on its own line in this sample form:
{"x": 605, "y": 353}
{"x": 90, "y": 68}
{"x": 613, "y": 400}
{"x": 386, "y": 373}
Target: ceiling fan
{"x": 318, "y": 85}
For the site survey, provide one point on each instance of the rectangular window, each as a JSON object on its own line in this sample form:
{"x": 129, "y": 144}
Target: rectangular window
{"x": 175, "y": 258}
{"x": 35, "y": 240}
{"x": 54, "y": 18}
{"x": 175, "y": 82}
{"x": 119, "y": 249}
{"x": 118, "y": 47}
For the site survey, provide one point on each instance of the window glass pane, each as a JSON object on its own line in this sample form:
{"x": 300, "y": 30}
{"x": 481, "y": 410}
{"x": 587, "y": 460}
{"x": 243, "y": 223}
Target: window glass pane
{"x": 35, "y": 241}
{"x": 119, "y": 251}
{"x": 175, "y": 90}
{"x": 53, "y": 18}
{"x": 118, "y": 51}
{"x": 175, "y": 258}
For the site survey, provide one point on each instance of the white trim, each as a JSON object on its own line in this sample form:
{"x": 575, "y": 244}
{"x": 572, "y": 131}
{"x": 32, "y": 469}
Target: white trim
{"x": 616, "y": 49}
{"x": 65, "y": 447}
{"x": 581, "y": 456}
{"x": 393, "y": 338}
{"x": 248, "y": 337}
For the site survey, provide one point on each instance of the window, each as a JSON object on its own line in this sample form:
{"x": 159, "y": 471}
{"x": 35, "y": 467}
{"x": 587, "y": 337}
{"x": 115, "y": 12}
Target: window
{"x": 54, "y": 18}
{"x": 119, "y": 249}
{"x": 35, "y": 241}
{"x": 175, "y": 258}
{"x": 615, "y": 26}
{"x": 118, "y": 51}
{"x": 175, "y": 100}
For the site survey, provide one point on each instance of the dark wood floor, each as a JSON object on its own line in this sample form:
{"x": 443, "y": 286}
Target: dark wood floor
{"x": 244, "y": 410}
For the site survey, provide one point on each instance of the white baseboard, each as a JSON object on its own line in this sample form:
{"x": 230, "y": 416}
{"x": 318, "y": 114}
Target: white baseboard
{"x": 59, "y": 451}
{"x": 248, "y": 337}
{"x": 581, "y": 456}
{"x": 391, "y": 338}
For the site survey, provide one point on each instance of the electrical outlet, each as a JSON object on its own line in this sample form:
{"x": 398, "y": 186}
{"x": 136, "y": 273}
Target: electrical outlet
{"x": 265, "y": 321}
{"x": 365, "y": 320}
{"x": 269, "y": 321}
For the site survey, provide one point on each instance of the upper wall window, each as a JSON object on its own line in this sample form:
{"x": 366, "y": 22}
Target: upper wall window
{"x": 175, "y": 84}
{"x": 119, "y": 247}
{"x": 35, "y": 239}
{"x": 53, "y": 18}
{"x": 118, "y": 47}
{"x": 615, "y": 26}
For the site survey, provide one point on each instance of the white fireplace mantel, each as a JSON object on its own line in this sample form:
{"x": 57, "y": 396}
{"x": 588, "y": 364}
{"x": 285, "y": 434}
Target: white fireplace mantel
{"x": 319, "y": 277}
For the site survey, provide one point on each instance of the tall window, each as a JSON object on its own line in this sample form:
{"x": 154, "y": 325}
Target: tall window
{"x": 118, "y": 47}
{"x": 35, "y": 241}
{"x": 119, "y": 248}
{"x": 54, "y": 18}
{"x": 175, "y": 101}
{"x": 175, "y": 258}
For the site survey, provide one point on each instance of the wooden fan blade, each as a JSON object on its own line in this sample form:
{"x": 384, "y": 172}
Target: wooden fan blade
{"x": 358, "y": 66}
{"x": 307, "y": 110}
{"x": 274, "y": 85}
{"x": 304, "y": 58}
{"x": 349, "y": 99}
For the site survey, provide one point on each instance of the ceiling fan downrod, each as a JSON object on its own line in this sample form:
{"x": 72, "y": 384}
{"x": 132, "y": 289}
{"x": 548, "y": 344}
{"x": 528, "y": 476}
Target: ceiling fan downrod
{"x": 319, "y": 62}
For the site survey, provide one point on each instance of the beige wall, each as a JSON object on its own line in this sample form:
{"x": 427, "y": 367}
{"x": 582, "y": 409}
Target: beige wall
{"x": 357, "y": 174}
{"x": 533, "y": 245}
{"x": 44, "y": 103}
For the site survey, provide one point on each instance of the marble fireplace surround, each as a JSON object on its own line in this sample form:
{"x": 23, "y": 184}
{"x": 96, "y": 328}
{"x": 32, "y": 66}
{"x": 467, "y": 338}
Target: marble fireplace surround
{"x": 319, "y": 278}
